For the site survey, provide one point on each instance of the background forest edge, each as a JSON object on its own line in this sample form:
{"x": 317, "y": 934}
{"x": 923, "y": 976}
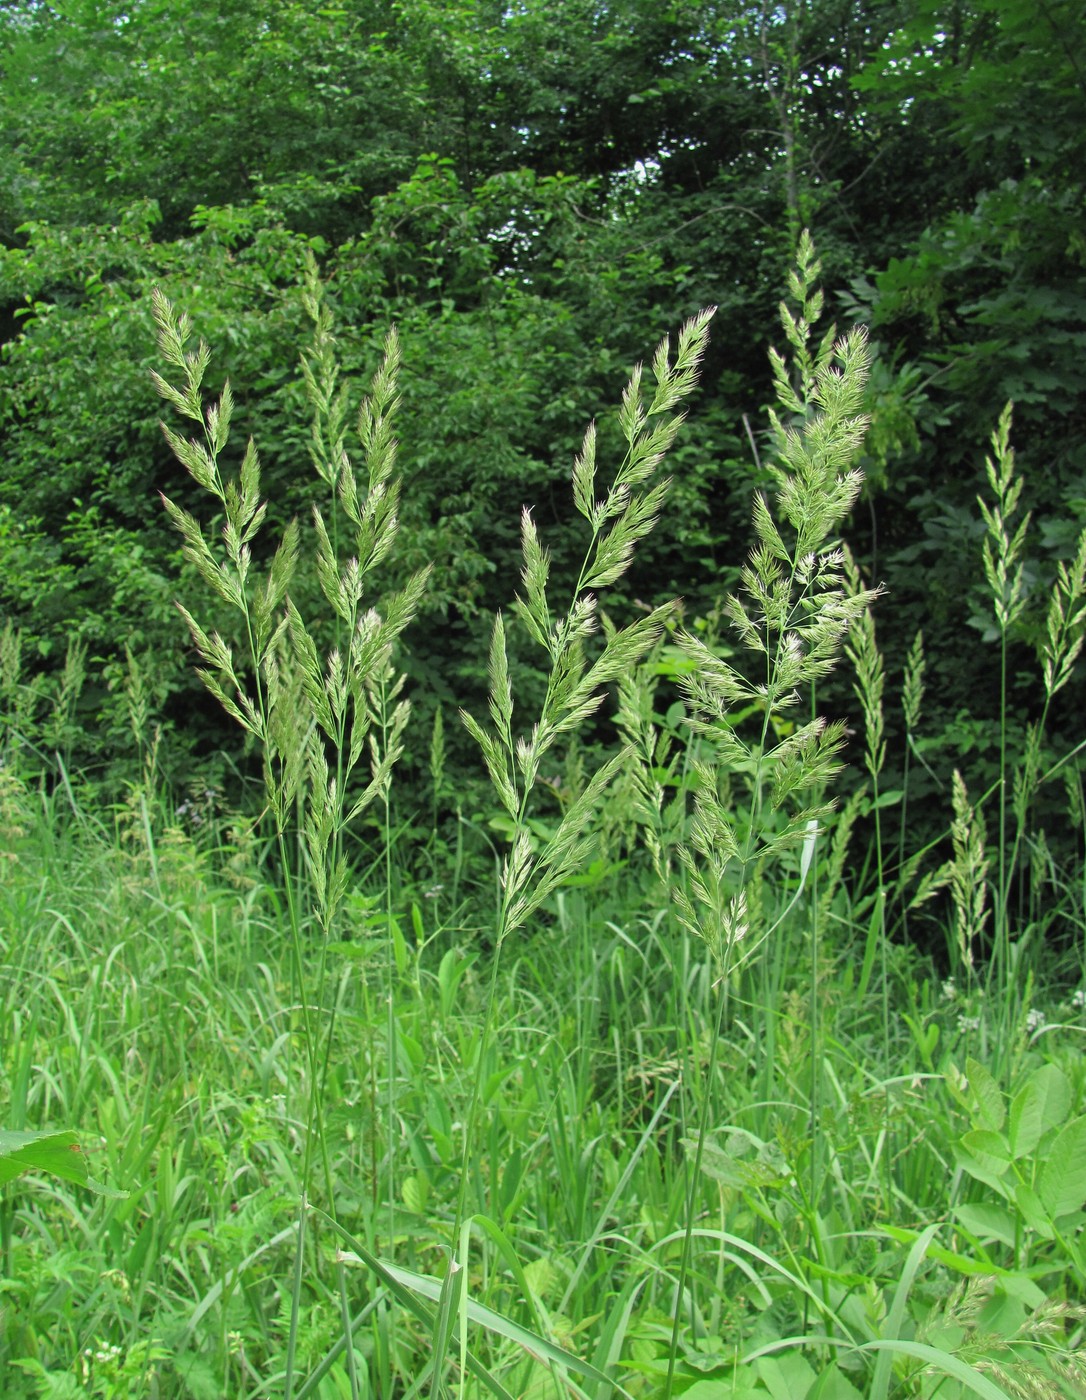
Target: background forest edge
{"x": 532, "y": 195}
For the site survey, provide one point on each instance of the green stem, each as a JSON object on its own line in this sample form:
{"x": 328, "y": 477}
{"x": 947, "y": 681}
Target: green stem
{"x": 691, "y": 1194}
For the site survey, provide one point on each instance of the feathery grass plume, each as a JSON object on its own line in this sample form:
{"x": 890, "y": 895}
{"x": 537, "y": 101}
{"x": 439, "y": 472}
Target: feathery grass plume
{"x": 576, "y": 686}
{"x": 1003, "y": 550}
{"x": 1059, "y": 649}
{"x": 912, "y": 686}
{"x": 967, "y": 875}
{"x": 315, "y": 719}
{"x": 863, "y": 651}
{"x": 19, "y": 699}
{"x": 356, "y": 697}
{"x": 653, "y": 774}
{"x": 1029, "y": 1363}
{"x": 60, "y": 724}
{"x": 793, "y": 615}
{"x": 833, "y": 866}
{"x": 14, "y": 702}
{"x": 1062, "y": 642}
{"x": 1003, "y": 569}
{"x": 16, "y": 709}
{"x": 912, "y": 699}
{"x": 437, "y": 759}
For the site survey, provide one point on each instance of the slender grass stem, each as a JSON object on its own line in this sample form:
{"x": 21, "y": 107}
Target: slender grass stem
{"x": 693, "y": 1183}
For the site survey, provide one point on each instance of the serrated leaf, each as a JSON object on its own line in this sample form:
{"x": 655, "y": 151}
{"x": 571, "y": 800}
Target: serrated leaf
{"x": 986, "y": 1150}
{"x": 988, "y": 1100}
{"x": 58, "y": 1153}
{"x": 1062, "y": 1184}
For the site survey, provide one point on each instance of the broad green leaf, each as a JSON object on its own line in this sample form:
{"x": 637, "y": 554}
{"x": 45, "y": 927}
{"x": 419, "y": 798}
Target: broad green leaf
{"x": 742, "y": 1161}
{"x": 1021, "y": 1287}
{"x": 729, "y": 1389}
{"x": 787, "y": 1376}
{"x": 989, "y": 1104}
{"x": 1040, "y": 1104}
{"x": 1062, "y": 1185}
{"x": 987, "y": 1220}
{"x": 1025, "y": 1121}
{"x": 1032, "y": 1211}
{"x": 415, "y": 1191}
{"x": 833, "y": 1384}
{"x": 57, "y": 1153}
{"x": 988, "y": 1151}
{"x": 1055, "y": 1092}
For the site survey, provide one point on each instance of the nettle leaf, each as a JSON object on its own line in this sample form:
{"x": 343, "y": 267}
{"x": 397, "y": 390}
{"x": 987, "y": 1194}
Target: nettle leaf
{"x": 57, "y": 1153}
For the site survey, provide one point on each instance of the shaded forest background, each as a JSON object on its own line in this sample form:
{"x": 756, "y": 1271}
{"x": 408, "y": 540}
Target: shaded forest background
{"x": 533, "y": 193}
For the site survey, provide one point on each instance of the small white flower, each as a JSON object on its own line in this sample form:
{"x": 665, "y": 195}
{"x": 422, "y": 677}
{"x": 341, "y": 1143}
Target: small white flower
{"x": 1078, "y": 999}
{"x": 1034, "y": 1019}
{"x": 950, "y": 991}
{"x": 969, "y": 1023}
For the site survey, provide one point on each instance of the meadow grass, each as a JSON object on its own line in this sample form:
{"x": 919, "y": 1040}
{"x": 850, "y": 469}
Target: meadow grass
{"x": 704, "y": 1129}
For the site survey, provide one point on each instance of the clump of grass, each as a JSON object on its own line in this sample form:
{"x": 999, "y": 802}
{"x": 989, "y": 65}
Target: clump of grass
{"x": 316, "y": 720}
{"x": 793, "y": 615}
{"x": 576, "y": 685}
{"x": 538, "y": 1103}
{"x": 981, "y": 899}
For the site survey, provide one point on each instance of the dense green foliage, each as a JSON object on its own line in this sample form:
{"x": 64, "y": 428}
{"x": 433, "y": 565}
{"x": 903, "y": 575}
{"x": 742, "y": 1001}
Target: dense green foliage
{"x": 529, "y": 193}
{"x": 702, "y": 1015}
